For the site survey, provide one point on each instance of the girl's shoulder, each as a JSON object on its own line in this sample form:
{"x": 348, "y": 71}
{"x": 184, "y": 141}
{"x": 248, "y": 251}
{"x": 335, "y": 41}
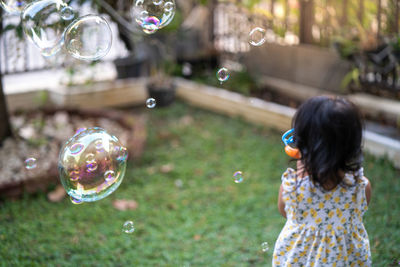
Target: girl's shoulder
{"x": 292, "y": 179}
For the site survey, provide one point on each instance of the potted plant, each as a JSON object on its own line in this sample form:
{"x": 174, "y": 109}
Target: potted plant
{"x": 161, "y": 86}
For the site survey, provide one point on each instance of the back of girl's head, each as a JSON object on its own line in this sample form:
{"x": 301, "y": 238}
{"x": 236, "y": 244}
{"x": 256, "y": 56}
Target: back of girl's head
{"x": 328, "y": 133}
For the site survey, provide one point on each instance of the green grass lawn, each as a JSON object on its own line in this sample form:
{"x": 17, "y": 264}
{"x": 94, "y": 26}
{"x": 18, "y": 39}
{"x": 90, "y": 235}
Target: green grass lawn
{"x": 209, "y": 221}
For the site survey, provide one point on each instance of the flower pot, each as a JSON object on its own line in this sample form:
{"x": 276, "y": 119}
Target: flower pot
{"x": 164, "y": 95}
{"x": 130, "y": 67}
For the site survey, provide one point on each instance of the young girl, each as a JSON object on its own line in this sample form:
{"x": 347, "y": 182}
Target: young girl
{"x": 325, "y": 199}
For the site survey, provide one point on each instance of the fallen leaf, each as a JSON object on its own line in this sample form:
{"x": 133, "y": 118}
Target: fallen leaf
{"x": 151, "y": 170}
{"x": 57, "y": 194}
{"x": 167, "y": 168}
{"x": 124, "y": 204}
{"x": 197, "y": 237}
{"x": 186, "y": 120}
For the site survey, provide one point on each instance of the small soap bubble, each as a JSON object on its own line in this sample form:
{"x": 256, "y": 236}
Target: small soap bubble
{"x": 257, "y": 36}
{"x": 76, "y": 148}
{"x": 98, "y": 144}
{"x": 222, "y": 75}
{"x": 122, "y": 153}
{"x": 128, "y": 227}
{"x": 158, "y": 2}
{"x": 88, "y": 38}
{"x": 91, "y": 166}
{"x": 187, "y": 69}
{"x": 88, "y": 166}
{"x": 30, "y": 163}
{"x": 67, "y": 13}
{"x": 74, "y": 175}
{"x": 169, "y": 6}
{"x": 238, "y": 176}
{"x": 109, "y": 175}
{"x": 151, "y": 103}
{"x": 178, "y": 183}
{"x": 75, "y": 201}
{"x": 264, "y": 246}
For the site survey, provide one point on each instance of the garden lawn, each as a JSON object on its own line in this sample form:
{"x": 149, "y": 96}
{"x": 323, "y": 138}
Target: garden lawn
{"x": 209, "y": 221}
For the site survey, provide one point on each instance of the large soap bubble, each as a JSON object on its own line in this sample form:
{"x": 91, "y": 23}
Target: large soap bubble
{"x": 92, "y": 165}
{"x": 88, "y": 38}
{"x": 153, "y": 15}
{"x": 43, "y": 24}
{"x": 13, "y": 6}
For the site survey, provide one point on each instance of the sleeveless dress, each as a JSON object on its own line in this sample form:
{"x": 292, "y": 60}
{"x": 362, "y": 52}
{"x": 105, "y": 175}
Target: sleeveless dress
{"x": 323, "y": 228}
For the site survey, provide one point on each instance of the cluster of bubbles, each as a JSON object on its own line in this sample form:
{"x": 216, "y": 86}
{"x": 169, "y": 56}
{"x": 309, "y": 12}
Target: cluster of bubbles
{"x": 92, "y": 165}
{"x": 128, "y": 227}
{"x": 50, "y": 26}
{"x": 151, "y": 102}
{"x": 152, "y": 15}
{"x": 238, "y": 177}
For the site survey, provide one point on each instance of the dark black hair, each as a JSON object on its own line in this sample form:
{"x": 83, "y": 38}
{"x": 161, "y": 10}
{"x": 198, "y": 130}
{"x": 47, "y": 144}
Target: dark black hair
{"x": 328, "y": 133}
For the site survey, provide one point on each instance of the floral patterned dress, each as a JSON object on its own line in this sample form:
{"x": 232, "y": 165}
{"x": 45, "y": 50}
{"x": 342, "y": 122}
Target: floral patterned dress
{"x": 323, "y": 228}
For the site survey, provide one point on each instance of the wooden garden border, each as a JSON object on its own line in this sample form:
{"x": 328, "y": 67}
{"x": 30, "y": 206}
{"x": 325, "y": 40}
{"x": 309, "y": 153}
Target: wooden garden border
{"x": 133, "y": 91}
{"x": 269, "y": 114}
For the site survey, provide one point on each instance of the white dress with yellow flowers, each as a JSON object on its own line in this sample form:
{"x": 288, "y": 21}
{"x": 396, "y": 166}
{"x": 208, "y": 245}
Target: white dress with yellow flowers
{"x": 323, "y": 228}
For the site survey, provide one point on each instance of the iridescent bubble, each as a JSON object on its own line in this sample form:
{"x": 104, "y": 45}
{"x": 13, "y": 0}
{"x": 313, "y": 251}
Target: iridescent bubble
{"x": 91, "y": 166}
{"x": 223, "y": 75}
{"x": 75, "y": 201}
{"x": 13, "y": 6}
{"x": 79, "y": 130}
{"x": 91, "y": 174}
{"x": 88, "y": 38}
{"x": 90, "y": 158}
{"x": 122, "y": 153}
{"x": 67, "y": 13}
{"x": 169, "y": 7}
{"x": 186, "y": 69}
{"x": 109, "y": 176}
{"x": 98, "y": 144}
{"x": 76, "y": 148}
{"x": 178, "y": 183}
{"x": 264, "y": 247}
{"x": 30, "y": 163}
{"x": 153, "y": 15}
{"x": 74, "y": 175}
{"x": 257, "y": 36}
{"x": 44, "y": 26}
{"x": 151, "y": 103}
{"x": 238, "y": 176}
{"x": 150, "y": 24}
{"x": 128, "y": 227}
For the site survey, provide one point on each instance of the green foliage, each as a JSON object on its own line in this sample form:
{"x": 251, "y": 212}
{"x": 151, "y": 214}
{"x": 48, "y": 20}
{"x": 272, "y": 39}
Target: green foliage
{"x": 210, "y": 221}
{"x": 351, "y": 77}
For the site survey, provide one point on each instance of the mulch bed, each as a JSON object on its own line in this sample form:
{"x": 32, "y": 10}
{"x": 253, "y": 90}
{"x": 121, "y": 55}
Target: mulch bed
{"x": 41, "y": 134}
